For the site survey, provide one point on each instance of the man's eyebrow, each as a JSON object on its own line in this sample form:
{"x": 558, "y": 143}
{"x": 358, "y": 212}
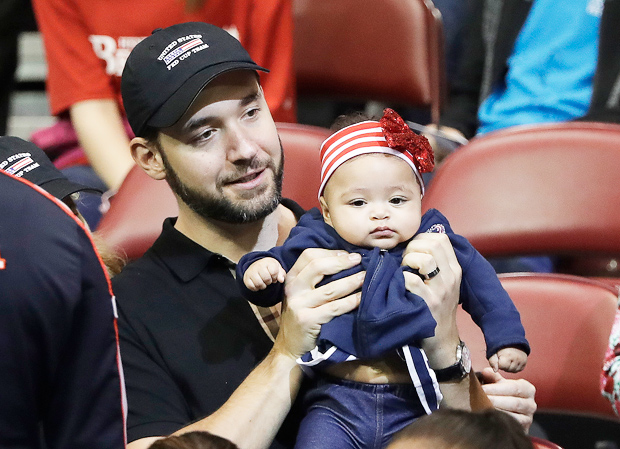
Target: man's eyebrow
{"x": 250, "y": 98}
{"x": 203, "y": 121}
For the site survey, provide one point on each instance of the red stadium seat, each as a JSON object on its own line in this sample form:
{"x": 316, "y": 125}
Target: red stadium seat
{"x": 542, "y": 189}
{"x": 567, "y": 321}
{"x": 388, "y": 50}
{"x": 540, "y": 443}
{"x": 302, "y": 165}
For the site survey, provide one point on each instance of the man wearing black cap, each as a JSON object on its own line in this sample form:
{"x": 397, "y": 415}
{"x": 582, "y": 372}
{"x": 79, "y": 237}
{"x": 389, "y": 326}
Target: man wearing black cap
{"x": 21, "y": 158}
{"x": 193, "y": 350}
{"x": 59, "y": 369}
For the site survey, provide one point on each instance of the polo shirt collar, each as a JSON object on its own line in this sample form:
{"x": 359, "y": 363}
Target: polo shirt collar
{"x": 184, "y": 257}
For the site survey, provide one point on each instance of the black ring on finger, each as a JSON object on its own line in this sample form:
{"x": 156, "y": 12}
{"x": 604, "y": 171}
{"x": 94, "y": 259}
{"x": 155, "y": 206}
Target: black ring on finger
{"x": 430, "y": 275}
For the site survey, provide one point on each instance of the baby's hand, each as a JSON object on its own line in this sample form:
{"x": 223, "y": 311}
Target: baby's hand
{"x": 511, "y": 360}
{"x": 262, "y": 273}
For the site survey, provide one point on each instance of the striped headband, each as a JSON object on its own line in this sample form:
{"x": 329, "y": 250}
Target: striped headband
{"x": 390, "y": 135}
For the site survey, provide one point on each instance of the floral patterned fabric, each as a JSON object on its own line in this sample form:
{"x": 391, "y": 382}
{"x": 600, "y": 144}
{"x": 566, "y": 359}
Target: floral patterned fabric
{"x": 610, "y": 377}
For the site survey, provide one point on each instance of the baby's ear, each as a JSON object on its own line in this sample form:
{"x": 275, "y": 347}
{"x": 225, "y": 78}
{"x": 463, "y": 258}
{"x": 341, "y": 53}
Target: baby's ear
{"x": 325, "y": 210}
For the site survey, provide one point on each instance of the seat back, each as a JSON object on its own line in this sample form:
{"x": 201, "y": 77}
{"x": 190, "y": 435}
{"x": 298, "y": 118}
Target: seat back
{"x": 540, "y": 443}
{"x": 302, "y": 164}
{"x": 136, "y": 214}
{"x": 140, "y": 206}
{"x": 541, "y": 189}
{"x": 388, "y": 50}
{"x": 567, "y": 321}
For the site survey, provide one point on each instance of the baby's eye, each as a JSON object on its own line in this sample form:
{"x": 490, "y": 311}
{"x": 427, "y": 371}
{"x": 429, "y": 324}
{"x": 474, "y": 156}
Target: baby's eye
{"x": 357, "y": 203}
{"x": 398, "y": 200}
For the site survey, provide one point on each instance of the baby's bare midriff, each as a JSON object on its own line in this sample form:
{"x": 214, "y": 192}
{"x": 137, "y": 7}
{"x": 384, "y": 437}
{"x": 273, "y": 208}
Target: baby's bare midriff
{"x": 389, "y": 370}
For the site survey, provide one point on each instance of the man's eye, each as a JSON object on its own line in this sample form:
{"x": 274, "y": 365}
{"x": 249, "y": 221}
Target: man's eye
{"x": 252, "y": 112}
{"x": 205, "y": 134}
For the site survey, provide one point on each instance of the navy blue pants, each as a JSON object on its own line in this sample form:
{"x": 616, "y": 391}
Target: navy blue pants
{"x": 346, "y": 414}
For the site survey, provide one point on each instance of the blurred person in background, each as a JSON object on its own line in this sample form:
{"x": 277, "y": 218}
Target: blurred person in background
{"x": 87, "y": 43}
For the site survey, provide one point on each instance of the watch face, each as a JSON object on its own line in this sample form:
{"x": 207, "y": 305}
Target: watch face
{"x": 466, "y": 358}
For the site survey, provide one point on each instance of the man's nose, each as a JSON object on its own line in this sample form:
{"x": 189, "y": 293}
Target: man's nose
{"x": 240, "y": 144}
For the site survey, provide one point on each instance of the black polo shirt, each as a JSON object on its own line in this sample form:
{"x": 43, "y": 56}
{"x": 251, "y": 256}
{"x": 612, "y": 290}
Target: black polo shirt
{"x": 59, "y": 369}
{"x": 188, "y": 338}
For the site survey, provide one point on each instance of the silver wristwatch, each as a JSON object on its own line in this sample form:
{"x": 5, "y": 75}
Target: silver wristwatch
{"x": 460, "y": 369}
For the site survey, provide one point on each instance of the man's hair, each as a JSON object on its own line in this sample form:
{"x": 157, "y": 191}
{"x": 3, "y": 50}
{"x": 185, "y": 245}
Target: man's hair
{"x": 450, "y": 428}
{"x": 194, "y": 440}
{"x": 151, "y": 134}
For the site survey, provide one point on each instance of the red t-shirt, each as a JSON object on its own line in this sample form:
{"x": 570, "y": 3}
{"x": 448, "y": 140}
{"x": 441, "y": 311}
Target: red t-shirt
{"x": 87, "y": 43}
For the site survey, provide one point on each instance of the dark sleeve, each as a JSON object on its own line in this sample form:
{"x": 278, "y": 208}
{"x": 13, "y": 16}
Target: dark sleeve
{"x": 461, "y": 111}
{"x": 273, "y": 293}
{"x": 605, "y": 104}
{"x": 157, "y": 406}
{"x": 88, "y": 378}
{"x": 482, "y": 294}
{"x": 59, "y": 366}
{"x": 486, "y": 300}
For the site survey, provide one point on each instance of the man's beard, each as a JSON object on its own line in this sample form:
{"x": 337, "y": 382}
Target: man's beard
{"x": 221, "y": 208}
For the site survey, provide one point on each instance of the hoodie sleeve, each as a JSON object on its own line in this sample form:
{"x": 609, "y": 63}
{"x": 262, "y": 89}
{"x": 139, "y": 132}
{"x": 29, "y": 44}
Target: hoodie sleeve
{"x": 482, "y": 294}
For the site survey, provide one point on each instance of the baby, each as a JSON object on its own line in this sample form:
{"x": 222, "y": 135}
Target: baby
{"x": 370, "y": 198}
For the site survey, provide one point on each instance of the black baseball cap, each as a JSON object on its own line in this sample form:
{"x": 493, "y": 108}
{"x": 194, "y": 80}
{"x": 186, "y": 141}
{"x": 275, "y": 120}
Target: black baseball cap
{"x": 24, "y": 159}
{"x": 167, "y": 70}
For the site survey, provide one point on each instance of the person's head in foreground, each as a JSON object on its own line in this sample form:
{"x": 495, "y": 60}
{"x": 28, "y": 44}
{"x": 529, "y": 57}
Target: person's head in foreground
{"x": 194, "y": 440}
{"x": 24, "y": 159}
{"x": 193, "y": 98}
{"x": 459, "y": 429}
{"x": 371, "y": 183}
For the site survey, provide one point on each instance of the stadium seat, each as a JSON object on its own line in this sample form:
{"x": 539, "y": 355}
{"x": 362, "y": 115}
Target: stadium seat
{"x": 538, "y": 190}
{"x": 540, "y": 443}
{"x": 389, "y": 50}
{"x": 567, "y": 322}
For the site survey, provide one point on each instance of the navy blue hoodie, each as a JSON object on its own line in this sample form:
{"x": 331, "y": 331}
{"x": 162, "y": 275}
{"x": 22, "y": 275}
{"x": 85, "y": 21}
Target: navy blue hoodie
{"x": 389, "y": 316}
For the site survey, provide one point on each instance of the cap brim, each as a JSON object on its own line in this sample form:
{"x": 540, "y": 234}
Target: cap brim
{"x": 174, "y": 108}
{"x": 60, "y": 188}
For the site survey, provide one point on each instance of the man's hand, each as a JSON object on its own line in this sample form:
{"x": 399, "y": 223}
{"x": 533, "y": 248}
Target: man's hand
{"x": 513, "y": 396}
{"x": 425, "y": 253}
{"x": 306, "y": 307}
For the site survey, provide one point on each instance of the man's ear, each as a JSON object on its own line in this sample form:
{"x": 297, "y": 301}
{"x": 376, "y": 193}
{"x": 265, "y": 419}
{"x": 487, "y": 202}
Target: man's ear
{"x": 148, "y": 157}
{"x": 325, "y": 211}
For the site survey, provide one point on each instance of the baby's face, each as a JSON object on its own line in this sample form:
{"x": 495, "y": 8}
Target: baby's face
{"x": 373, "y": 200}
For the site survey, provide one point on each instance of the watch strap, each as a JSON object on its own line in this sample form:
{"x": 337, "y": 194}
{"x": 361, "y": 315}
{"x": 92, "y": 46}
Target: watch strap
{"x": 459, "y": 370}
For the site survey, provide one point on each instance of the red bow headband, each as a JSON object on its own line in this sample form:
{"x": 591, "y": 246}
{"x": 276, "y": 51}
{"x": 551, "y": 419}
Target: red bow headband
{"x": 390, "y": 135}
